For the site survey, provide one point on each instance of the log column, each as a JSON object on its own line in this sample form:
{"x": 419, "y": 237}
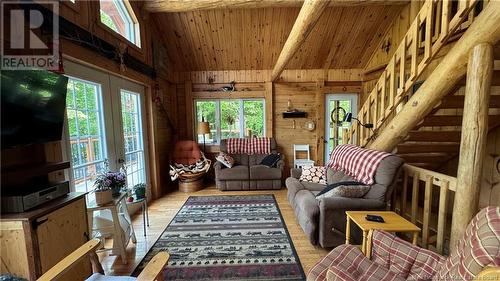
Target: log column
{"x": 473, "y": 142}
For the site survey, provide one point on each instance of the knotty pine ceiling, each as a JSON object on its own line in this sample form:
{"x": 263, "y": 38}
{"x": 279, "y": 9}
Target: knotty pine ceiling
{"x": 242, "y": 39}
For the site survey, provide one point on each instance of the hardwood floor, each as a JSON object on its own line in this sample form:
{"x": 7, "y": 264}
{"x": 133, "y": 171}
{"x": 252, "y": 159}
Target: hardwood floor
{"x": 164, "y": 209}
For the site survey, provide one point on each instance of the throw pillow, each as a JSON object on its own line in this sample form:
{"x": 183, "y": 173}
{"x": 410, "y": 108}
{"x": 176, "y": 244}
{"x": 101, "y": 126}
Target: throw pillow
{"x": 315, "y": 174}
{"x": 225, "y": 159}
{"x": 271, "y": 160}
{"x": 349, "y": 189}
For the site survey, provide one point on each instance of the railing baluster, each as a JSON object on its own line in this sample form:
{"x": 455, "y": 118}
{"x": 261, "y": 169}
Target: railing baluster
{"x": 427, "y": 210}
{"x": 404, "y": 192}
{"x": 443, "y": 206}
{"x": 414, "y": 197}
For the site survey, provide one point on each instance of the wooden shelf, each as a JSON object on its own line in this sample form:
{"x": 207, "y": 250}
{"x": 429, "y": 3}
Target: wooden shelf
{"x": 235, "y": 94}
{"x": 35, "y": 169}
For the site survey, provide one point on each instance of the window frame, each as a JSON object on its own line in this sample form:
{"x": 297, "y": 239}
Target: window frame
{"x": 218, "y": 113}
{"x": 124, "y": 6}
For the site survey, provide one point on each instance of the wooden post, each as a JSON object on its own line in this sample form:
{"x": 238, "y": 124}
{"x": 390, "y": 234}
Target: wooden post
{"x": 473, "y": 142}
{"x": 306, "y": 20}
{"x": 446, "y": 75}
{"x": 320, "y": 122}
{"x": 269, "y": 109}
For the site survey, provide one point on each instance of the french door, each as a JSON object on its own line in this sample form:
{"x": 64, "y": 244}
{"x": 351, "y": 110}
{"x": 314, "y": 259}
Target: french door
{"x": 104, "y": 126}
{"x": 337, "y": 106}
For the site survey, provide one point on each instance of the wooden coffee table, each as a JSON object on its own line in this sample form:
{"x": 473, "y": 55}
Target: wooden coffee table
{"x": 393, "y": 223}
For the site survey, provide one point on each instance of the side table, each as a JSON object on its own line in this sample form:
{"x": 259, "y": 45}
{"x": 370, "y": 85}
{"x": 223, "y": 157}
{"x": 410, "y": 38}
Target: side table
{"x": 393, "y": 223}
{"x": 145, "y": 215}
{"x": 120, "y": 229}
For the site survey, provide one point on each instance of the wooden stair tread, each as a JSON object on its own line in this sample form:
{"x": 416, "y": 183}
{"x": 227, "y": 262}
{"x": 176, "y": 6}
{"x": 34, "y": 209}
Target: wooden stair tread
{"x": 435, "y": 136}
{"x": 453, "y": 120}
{"x": 427, "y": 157}
{"x": 406, "y": 148}
{"x": 455, "y": 102}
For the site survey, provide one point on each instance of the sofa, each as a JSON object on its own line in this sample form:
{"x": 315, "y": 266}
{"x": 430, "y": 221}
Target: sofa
{"x": 324, "y": 220}
{"x": 247, "y": 173}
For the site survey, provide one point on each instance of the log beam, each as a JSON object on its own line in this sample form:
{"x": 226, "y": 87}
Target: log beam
{"x": 176, "y": 6}
{"x": 474, "y": 135}
{"x": 306, "y": 20}
{"x": 449, "y": 72}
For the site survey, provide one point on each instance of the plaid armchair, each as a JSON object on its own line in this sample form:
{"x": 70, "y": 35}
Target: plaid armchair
{"x": 393, "y": 259}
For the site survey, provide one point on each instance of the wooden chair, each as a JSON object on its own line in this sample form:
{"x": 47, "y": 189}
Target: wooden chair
{"x": 187, "y": 152}
{"x": 152, "y": 271}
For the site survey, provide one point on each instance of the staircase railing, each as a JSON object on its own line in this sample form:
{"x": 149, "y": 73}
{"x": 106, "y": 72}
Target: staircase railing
{"x": 437, "y": 22}
{"x": 433, "y": 218}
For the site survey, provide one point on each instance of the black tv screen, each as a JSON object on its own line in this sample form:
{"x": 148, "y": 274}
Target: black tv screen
{"x": 33, "y": 105}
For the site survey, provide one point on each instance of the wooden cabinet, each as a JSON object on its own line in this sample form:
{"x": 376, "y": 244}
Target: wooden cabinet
{"x": 32, "y": 242}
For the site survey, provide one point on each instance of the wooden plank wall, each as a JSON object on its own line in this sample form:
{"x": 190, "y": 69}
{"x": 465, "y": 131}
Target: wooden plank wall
{"x": 301, "y": 87}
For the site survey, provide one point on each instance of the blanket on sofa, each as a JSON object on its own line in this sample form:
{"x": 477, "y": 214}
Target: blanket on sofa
{"x": 249, "y": 146}
{"x": 359, "y": 163}
{"x": 201, "y": 166}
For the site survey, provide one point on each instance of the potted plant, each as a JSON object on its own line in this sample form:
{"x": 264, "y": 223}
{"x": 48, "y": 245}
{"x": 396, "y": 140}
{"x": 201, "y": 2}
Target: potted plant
{"x": 114, "y": 181}
{"x": 103, "y": 194}
{"x": 140, "y": 191}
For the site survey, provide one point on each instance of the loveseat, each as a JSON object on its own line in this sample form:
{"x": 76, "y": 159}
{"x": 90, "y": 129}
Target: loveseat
{"x": 247, "y": 173}
{"x": 324, "y": 220}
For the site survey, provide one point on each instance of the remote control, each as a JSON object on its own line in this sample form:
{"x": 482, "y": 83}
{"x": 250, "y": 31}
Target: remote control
{"x": 374, "y": 218}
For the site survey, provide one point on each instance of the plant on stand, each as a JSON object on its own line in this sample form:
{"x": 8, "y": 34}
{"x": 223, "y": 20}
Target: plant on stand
{"x": 114, "y": 181}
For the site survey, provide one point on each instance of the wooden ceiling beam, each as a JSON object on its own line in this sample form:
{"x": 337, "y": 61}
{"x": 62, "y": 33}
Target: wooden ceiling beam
{"x": 176, "y": 6}
{"x": 306, "y": 20}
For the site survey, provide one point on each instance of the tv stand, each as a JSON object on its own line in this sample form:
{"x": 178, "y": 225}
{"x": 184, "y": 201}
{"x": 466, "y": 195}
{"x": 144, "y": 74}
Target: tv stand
{"x": 34, "y": 241}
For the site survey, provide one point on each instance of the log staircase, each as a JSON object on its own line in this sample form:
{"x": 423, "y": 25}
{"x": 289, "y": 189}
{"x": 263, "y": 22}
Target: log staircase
{"x": 424, "y": 126}
{"x": 436, "y": 139}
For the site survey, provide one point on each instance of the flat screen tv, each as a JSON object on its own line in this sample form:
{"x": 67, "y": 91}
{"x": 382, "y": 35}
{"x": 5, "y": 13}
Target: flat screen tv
{"x": 33, "y": 104}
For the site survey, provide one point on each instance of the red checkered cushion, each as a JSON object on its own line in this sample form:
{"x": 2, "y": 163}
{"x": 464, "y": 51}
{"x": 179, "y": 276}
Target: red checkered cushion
{"x": 249, "y": 146}
{"x": 408, "y": 261}
{"x": 347, "y": 263}
{"x": 480, "y": 247}
{"x": 359, "y": 163}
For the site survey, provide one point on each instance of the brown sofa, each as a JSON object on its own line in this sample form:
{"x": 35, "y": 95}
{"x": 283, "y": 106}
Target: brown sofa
{"x": 324, "y": 220}
{"x": 247, "y": 174}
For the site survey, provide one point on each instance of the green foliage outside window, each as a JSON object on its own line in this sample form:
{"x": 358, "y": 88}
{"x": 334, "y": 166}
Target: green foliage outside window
{"x": 229, "y": 117}
{"x": 106, "y": 19}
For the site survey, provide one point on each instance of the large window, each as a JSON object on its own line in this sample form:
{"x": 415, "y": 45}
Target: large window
{"x": 235, "y": 118}
{"x": 117, "y": 15}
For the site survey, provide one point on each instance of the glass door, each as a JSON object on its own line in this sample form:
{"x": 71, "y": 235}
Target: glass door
{"x": 128, "y": 106}
{"x": 88, "y": 140}
{"x": 338, "y": 105}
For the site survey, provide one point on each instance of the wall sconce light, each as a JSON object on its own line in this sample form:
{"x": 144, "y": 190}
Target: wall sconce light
{"x": 348, "y": 118}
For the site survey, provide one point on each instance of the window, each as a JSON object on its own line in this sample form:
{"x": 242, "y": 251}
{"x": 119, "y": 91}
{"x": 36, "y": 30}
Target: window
{"x": 116, "y": 15}
{"x": 86, "y": 132}
{"x": 234, "y": 118}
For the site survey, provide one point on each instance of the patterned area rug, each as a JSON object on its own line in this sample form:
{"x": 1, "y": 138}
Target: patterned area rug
{"x": 228, "y": 238}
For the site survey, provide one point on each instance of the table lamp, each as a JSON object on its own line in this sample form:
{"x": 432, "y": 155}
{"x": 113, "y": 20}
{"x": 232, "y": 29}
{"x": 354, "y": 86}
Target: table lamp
{"x": 203, "y": 128}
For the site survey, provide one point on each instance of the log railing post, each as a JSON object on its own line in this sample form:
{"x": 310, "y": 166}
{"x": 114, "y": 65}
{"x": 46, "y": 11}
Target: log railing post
{"x": 473, "y": 142}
